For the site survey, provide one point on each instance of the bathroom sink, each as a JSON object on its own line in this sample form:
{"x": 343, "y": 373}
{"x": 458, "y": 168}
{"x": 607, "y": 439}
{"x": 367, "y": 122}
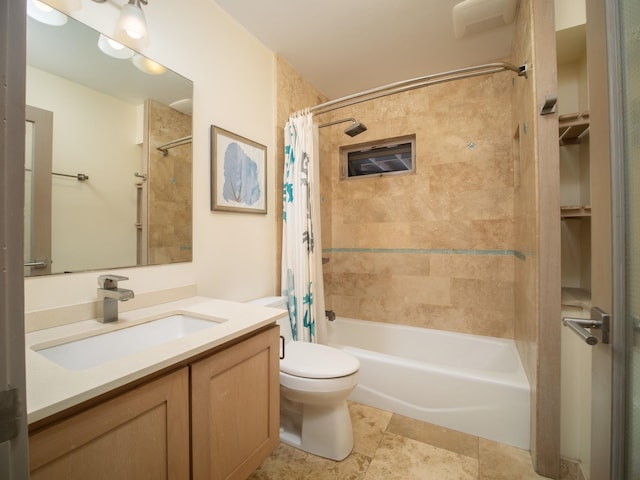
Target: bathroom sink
{"x": 98, "y": 349}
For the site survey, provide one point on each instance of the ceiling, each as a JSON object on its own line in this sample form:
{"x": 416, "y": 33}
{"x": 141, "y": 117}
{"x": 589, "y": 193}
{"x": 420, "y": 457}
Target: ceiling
{"x": 348, "y": 46}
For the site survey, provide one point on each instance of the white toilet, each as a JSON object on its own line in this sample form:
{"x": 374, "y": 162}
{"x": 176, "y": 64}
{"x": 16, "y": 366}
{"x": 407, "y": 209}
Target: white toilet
{"x": 315, "y": 381}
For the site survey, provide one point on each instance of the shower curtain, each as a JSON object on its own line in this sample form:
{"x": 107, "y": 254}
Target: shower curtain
{"x": 301, "y": 251}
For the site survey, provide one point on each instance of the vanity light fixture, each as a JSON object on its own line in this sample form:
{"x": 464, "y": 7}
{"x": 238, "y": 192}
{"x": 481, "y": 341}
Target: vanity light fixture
{"x": 147, "y": 65}
{"x": 113, "y": 49}
{"x": 132, "y": 21}
{"x": 45, "y": 14}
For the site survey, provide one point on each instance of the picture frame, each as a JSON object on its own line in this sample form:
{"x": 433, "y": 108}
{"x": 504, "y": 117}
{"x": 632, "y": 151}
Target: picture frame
{"x": 238, "y": 173}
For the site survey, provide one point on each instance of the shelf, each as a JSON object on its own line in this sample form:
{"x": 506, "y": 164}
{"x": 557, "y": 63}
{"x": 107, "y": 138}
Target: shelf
{"x": 575, "y": 211}
{"x": 571, "y": 127}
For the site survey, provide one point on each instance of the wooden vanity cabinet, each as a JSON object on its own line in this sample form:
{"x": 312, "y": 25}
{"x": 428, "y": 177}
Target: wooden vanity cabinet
{"x": 235, "y": 408}
{"x": 141, "y": 434}
{"x": 216, "y": 418}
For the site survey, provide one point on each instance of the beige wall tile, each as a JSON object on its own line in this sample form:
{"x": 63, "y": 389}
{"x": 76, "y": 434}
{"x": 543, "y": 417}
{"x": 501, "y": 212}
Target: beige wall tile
{"x": 461, "y": 197}
{"x": 481, "y": 267}
{"x": 491, "y": 323}
{"x": 492, "y": 234}
{"x": 482, "y": 205}
{"x": 482, "y": 294}
{"x": 419, "y": 289}
{"x": 168, "y": 185}
{"x": 442, "y": 234}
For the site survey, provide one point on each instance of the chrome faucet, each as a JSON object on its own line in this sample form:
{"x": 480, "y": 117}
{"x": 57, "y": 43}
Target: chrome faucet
{"x": 109, "y": 295}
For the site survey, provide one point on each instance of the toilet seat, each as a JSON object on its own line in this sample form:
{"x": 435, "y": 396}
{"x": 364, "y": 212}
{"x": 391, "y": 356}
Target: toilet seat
{"x": 314, "y": 360}
{"x": 319, "y": 386}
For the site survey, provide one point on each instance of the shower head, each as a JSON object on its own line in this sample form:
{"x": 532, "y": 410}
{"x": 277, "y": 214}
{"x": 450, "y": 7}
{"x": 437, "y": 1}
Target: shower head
{"x": 356, "y": 128}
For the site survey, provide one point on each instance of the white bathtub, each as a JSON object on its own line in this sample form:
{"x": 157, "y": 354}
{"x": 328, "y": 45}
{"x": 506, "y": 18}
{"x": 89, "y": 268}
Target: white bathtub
{"x": 469, "y": 383}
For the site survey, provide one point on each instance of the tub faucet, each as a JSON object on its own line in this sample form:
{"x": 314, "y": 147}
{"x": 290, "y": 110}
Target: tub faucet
{"x": 109, "y": 295}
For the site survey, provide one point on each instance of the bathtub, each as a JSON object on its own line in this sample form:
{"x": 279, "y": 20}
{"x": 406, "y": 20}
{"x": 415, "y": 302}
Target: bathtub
{"x": 469, "y": 383}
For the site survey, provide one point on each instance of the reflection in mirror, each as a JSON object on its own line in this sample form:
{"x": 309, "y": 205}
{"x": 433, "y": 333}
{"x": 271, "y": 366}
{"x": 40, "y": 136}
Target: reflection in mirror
{"x": 37, "y": 180}
{"x": 119, "y": 178}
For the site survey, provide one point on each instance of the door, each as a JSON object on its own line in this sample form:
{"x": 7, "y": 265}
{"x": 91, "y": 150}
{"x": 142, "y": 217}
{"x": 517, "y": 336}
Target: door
{"x": 613, "y": 45}
{"x": 13, "y": 422}
{"x": 37, "y": 189}
{"x": 624, "y": 70}
{"x": 601, "y": 263}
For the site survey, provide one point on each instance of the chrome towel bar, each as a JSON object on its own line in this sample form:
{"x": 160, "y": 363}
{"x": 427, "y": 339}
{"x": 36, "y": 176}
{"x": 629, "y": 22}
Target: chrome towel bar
{"x": 37, "y": 263}
{"x": 81, "y": 177}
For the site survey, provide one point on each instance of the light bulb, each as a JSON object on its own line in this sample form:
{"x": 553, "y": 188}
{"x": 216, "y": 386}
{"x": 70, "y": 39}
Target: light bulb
{"x": 45, "y": 14}
{"x": 147, "y": 65}
{"x": 115, "y": 45}
{"x": 132, "y": 20}
{"x": 42, "y": 6}
{"x": 113, "y": 49}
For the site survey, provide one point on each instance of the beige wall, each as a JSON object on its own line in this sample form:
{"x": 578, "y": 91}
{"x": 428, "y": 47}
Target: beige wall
{"x": 234, "y": 88}
{"x": 435, "y": 248}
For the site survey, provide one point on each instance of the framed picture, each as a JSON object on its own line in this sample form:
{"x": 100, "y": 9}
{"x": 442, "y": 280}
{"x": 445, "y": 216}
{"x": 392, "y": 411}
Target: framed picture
{"x": 238, "y": 173}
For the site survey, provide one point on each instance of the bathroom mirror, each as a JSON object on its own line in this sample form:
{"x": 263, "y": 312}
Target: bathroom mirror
{"x": 117, "y": 133}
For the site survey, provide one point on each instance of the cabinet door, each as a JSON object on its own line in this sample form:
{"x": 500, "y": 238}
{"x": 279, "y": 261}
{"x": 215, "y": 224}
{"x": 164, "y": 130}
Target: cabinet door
{"x": 141, "y": 434}
{"x": 235, "y": 408}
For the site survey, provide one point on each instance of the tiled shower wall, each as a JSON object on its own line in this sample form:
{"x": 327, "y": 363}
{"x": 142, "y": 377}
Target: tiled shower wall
{"x": 435, "y": 248}
{"x": 169, "y": 187}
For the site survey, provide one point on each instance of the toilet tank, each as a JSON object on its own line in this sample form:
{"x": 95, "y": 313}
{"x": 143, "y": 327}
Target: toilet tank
{"x": 284, "y": 322}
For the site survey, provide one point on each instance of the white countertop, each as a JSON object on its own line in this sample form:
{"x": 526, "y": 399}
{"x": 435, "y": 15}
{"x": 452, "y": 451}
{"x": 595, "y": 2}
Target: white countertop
{"x": 52, "y": 388}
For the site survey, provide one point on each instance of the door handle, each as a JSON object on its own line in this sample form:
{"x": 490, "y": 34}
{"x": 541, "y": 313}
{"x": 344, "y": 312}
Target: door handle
{"x": 281, "y": 347}
{"x": 600, "y": 323}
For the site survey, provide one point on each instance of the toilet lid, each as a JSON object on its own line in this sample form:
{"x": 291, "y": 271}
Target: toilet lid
{"x": 313, "y": 360}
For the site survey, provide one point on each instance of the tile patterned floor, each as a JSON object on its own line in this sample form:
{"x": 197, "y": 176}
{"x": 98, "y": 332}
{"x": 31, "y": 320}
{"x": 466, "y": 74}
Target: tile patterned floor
{"x": 388, "y": 446}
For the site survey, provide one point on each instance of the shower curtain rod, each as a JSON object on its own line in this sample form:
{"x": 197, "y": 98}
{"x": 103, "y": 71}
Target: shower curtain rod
{"x": 414, "y": 83}
{"x": 176, "y": 143}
